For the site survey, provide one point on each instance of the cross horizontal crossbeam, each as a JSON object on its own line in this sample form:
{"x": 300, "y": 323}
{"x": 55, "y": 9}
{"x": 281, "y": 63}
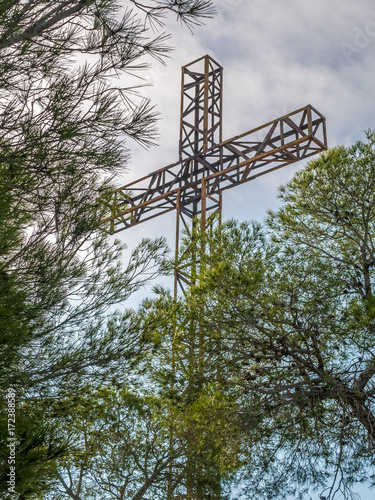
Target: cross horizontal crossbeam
{"x": 290, "y": 138}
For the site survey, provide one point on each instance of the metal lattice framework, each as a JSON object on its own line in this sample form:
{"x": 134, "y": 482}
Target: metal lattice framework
{"x": 201, "y": 104}
{"x": 208, "y": 165}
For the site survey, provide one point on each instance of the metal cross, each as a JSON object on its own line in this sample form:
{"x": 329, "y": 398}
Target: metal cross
{"x": 207, "y": 165}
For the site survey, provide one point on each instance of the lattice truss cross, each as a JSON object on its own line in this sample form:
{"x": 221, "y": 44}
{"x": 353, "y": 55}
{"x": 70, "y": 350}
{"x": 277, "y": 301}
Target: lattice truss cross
{"x": 207, "y": 165}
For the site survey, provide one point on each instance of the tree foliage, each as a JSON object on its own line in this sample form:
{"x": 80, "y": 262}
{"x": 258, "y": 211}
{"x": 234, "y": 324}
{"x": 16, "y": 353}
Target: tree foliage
{"x": 295, "y": 316}
{"x": 121, "y": 448}
{"x": 68, "y": 105}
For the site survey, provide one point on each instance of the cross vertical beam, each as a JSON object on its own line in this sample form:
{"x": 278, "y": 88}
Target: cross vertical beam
{"x": 200, "y": 131}
{"x": 201, "y": 107}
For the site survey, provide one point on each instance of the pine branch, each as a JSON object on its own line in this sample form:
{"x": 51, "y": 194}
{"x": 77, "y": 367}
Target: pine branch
{"x": 46, "y": 22}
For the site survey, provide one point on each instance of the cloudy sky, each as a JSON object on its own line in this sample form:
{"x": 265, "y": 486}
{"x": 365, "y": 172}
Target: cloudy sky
{"x": 277, "y": 56}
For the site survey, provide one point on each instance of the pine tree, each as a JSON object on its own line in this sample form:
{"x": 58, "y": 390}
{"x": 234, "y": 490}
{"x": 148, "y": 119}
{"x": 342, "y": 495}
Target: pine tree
{"x": 65, "y": 116}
